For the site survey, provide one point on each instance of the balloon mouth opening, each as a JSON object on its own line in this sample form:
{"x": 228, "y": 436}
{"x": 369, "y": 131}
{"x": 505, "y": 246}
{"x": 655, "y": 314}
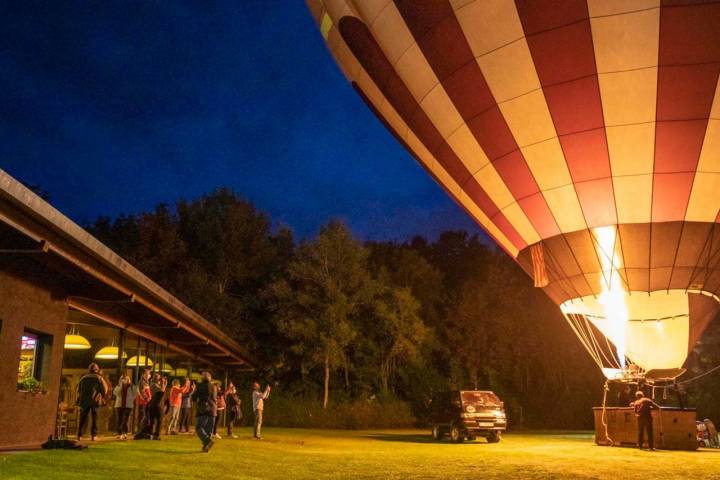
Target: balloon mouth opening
{"x": 636, "y": 331}
{"x": 632, "y": 373}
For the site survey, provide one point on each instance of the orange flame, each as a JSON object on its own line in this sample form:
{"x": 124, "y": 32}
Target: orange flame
{"x": 612, "y": 297}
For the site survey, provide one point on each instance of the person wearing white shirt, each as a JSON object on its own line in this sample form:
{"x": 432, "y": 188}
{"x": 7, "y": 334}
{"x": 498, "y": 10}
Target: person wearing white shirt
{"x": 125, "y": 394}
{"x": 258, "y": 400}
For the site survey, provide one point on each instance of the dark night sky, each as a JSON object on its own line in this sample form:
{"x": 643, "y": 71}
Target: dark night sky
{"x": 113, "y": 107}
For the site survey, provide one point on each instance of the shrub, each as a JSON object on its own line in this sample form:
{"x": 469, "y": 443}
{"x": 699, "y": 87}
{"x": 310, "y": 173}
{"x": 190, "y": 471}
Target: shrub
{"x": 31, "y": 385}
{"x": 350, "y": 415}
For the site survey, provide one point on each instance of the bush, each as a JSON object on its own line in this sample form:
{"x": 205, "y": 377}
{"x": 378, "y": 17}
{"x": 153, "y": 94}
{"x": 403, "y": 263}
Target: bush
{"x": 350, "y": 415}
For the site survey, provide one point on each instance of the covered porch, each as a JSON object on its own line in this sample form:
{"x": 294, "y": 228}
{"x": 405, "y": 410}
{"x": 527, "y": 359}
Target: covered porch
{"x": 58, "y": 285}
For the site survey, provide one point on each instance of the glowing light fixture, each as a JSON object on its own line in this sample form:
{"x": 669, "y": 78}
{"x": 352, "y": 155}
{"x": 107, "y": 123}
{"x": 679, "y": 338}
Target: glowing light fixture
{"x": 138, "y": 361}
{"x": 75, "y": 341}
{"x": 109, "y": 353}
{"x": 181, "y": 372}
{"x": 167, "y": 367}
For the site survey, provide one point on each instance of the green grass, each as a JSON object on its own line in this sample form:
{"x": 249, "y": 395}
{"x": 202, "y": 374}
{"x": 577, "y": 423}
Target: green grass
{"x": 316, "y": 454}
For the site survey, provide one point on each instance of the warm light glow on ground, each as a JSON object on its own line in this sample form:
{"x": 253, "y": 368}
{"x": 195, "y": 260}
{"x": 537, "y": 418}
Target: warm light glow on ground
{"x": 315, "y": 454}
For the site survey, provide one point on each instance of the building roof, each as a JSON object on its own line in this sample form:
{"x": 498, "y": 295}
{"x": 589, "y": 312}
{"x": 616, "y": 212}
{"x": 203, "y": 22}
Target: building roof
{"x": 114, "y": 290}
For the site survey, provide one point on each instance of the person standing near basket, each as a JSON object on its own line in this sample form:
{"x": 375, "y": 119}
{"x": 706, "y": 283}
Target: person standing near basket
{"x": 643, "y": 411}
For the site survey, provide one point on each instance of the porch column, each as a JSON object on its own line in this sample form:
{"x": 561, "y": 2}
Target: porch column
{"x": 121, "y": 353}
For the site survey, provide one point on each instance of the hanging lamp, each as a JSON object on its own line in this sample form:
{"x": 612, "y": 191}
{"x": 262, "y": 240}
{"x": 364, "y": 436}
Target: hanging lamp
{"x": 110, "y": 352}
{"x": 75, "y": 341}
{"x": 138, "y": 361}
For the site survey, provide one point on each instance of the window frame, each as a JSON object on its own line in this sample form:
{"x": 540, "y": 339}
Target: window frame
{"x": 42, "y": 353}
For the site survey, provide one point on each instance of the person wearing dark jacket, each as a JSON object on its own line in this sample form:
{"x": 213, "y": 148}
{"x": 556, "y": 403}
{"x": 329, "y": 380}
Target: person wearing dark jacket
{"x": 205, "y": 398}
{"x": 233, "y": 412}
{"x": 143, "y": 399}
{"x": 90, "y": 392}
{"x": 643, "y": 411}
{"x": 154, "y": 407}
{"x": 186, "y": 406}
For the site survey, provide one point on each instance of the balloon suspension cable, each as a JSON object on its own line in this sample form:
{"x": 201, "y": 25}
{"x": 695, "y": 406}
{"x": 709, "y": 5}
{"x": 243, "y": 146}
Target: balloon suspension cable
{"x": 659, "y": 410}
{"x": 662, "y": 433}
{"x": 582, "y": 328}
{"x": 580, "y": 333}
{"x": 603, "y": 417}
{"x": 684, "y": 382}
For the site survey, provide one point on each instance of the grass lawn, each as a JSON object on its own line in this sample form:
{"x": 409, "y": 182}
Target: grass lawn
{"x": 316, "y": 454}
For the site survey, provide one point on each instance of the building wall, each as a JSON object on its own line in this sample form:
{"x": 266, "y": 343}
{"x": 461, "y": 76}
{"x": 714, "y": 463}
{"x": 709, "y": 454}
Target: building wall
{"x": 30, "y": 298}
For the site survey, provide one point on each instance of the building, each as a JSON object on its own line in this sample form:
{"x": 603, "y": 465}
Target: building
{"x": 67, "y": 300}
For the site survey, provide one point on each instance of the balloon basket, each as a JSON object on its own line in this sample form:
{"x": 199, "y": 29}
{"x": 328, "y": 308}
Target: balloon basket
{"x": 674, "y": 428}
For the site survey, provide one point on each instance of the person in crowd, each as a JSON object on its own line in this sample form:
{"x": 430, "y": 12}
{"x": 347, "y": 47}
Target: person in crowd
{"x": 90, "y": 394}
{"x": 701, "y": 434}
{"x": 143, "y": 399}
{"x": 220, "y": 411}
{"x": 158, "y": 384}
{"x": 205, "y": 398}
{"x": 176, "y": 396}
{"x": 643, "y": 411}
{"x": 233, "y": 411}
{"x": 125, "y": 394}
{"x": 712, "y": 433}
{"x": 258, "y": 399}
{"x": 186, "y": 406}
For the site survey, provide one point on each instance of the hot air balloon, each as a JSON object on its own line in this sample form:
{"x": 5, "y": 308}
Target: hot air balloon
{"x": 582, "y": 135}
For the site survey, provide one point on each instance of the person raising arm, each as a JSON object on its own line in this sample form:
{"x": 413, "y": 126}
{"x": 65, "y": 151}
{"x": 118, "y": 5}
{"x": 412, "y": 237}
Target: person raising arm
{"x": 258, "y": 399}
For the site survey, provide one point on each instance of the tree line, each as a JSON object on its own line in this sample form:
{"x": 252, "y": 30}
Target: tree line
{"x": 332, "y": 319}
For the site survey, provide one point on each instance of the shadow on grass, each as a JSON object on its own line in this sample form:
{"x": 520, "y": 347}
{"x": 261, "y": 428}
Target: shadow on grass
{"x": 406, "y": 438}
{"x": 400, "y": 437}
{"x": 707, "y": 450}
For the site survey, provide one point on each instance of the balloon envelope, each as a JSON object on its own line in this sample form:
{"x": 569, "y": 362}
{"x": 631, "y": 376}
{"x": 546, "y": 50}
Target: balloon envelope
{"x": 585, "y": 139}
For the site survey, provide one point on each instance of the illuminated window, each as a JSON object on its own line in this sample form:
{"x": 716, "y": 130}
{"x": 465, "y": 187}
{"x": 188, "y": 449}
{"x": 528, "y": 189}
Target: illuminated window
{"x": 34, "y": 359}
{"x": 28, "y": 349}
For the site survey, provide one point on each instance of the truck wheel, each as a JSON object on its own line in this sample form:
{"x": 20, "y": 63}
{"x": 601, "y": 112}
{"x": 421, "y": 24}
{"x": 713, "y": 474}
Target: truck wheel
{"x": 456, "y": 434}
{"x": 436, "y": 433}
{"x": 494, "y": 437}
